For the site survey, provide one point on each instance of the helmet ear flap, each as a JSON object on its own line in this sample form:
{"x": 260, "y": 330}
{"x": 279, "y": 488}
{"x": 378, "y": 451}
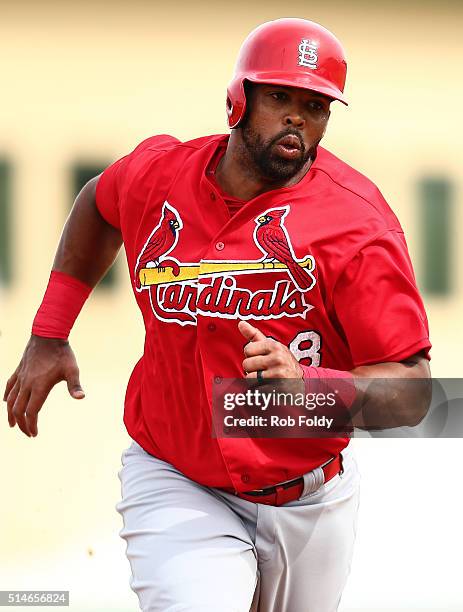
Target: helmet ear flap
{"x": 229, "y": 106}
{"x": 236, "y": 103}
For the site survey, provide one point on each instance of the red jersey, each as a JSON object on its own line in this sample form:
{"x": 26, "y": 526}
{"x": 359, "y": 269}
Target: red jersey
{"x": 345, "y": 295}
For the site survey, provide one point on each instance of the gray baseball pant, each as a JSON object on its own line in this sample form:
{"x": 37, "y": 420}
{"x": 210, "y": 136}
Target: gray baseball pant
{"x": 198, "y": 549}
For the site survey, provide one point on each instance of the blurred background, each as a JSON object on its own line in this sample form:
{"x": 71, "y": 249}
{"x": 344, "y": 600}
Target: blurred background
{"x": 82, "y": 84}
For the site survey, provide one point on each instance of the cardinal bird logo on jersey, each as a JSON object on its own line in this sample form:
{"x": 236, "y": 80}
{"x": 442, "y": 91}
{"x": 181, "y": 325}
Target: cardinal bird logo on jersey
{"x": 272, "y": 239}
{"x": 161, "y": 241}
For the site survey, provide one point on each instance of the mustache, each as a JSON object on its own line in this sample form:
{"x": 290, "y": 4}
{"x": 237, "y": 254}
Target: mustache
{"x": 288, "y": 132}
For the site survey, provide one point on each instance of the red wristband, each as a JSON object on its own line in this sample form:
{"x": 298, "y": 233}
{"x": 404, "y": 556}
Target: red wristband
{"x": 319, "y": 380}
{"x": 61, "y": 304}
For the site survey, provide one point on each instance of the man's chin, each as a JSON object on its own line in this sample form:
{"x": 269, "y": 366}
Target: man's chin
{"x": 279, "y": 168}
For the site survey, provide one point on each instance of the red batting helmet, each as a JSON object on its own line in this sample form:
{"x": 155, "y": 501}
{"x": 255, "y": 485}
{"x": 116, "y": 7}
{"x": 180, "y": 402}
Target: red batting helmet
{"x": 291, "y": 52}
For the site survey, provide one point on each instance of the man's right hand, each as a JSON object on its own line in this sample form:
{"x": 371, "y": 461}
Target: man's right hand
{"x": 46, "y": 362}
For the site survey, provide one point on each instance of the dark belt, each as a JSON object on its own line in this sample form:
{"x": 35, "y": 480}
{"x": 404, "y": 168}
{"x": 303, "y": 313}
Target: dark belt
{"x": 274, "y": 495}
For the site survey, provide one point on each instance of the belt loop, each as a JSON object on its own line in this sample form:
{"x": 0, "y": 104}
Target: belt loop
{"x": 309, "y": 483}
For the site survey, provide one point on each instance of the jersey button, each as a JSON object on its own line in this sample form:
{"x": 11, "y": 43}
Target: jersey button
{"x": 220, "y": 246}
{"x": 217, "y": 380}
{"x": 245, "y": 477}
{"x": 213, "y": 196}
{"x": 211, "y": 327}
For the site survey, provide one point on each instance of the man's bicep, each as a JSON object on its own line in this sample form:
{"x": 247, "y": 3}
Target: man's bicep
{"x": 419, "y": 362}
{"x": 89, "y": 244}
{"x": 85, "y": 213}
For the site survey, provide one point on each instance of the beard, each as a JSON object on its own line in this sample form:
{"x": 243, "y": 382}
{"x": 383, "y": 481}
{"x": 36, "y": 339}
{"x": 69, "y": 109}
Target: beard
{"x": 271, "y": 165}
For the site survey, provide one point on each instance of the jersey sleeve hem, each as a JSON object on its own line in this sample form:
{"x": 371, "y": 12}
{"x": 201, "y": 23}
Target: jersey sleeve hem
{"x": 400, "y": 355}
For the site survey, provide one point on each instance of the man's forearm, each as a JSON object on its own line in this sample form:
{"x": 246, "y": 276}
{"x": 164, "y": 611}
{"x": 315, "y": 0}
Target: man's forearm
{"x": 391, "y": 394}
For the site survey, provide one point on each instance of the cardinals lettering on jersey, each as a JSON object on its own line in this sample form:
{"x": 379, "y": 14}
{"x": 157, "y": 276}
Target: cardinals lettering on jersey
{"x": 176, "y": 296}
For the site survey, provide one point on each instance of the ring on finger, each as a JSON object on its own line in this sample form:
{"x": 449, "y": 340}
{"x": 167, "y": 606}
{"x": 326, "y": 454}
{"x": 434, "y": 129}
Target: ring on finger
{"x": 260, "y": 376}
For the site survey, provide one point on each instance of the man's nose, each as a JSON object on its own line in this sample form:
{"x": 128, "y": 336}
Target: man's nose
{"x": 295, "y": 119}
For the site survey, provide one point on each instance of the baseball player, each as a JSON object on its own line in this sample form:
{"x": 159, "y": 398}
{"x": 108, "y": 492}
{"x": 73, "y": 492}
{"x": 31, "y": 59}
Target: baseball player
{"x": 260, "y": 255}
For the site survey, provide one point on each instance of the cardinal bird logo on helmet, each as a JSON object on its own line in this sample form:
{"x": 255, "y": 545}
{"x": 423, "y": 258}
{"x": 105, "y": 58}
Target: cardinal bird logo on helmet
{"x": 272, "y": 239}
{"x": 161, "y": 241}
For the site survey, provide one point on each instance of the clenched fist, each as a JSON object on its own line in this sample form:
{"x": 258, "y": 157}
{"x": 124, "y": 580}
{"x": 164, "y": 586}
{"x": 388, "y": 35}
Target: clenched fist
{"x": 265, "y": 355}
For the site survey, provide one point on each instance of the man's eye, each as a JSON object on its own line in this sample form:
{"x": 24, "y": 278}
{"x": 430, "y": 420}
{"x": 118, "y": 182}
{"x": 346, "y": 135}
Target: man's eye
{"x": 316, "y": 106}
{"x": 278, "y": 95}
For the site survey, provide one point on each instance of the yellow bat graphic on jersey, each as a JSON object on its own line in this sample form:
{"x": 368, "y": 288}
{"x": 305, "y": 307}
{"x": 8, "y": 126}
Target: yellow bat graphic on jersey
{"x": 171, "y": 272}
